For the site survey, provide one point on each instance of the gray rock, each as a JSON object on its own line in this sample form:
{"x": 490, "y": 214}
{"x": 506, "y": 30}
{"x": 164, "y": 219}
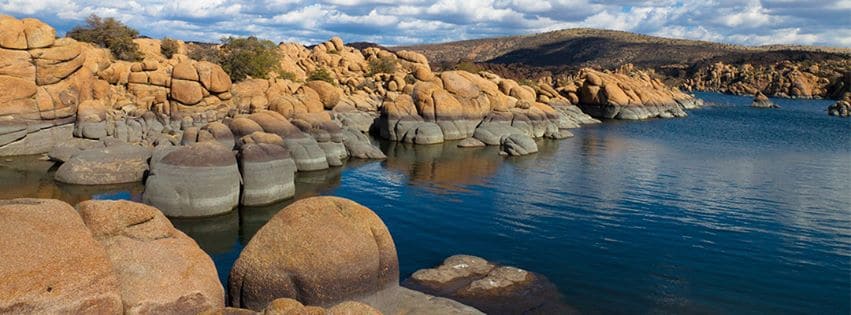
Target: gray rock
{"x": 335, "y": 152}
{"x": 38, "y": 141}
{"x": 471, "y": 143}
{"x": 268, "y": 174}
{"x": 12, "y": 130}
{"x": 400, "y": 300}
{"x": 518, "y": 144}
{"x": 103, "y": 166}
{"x": 198, "y": 180}
{"x": 492, "y": 133}
{"x": 359, "y": 146}
{"x": 361, "y": 121}
{"x": 306, "y": 153}
{"x": 410, "y": 131}
{"x": 64, "y": 151}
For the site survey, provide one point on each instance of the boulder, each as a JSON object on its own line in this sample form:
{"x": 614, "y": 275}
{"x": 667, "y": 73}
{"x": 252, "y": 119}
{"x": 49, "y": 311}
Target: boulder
{"x": 306, "y": 153}
{"x": 489, "y": 287}
{"x": 286, "y": 306}
{"x": 320, "y": 251}
{"x": 762, "y": 101}
{"x": 268, "y": 174}
{"x": 471, "y": 143}
{"x": 39, "y": 34}
{"x": 12, "y": 34}
{"x": 358, "y": 145}
{"x": 517, "y": 144}
{"x": 328, "y": 94}
{"x": 160, "y": 269}
{"x": 197, "y": 180}
{"x": 101, "y": 166}
{"x": 842, "y": 108}
{"x": 186, "y": 92}
{"x": 51, "y": 263}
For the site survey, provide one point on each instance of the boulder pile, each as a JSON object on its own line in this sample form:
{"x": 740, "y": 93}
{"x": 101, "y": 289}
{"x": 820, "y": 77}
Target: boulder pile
{"x": 762, "y": 101}
{"x": 842, "y": 108}
{"x": 787, "y": 79}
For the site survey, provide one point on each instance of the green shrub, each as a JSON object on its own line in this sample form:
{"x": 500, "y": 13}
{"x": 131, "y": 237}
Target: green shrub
{"x": 168, "y": 47}
{"x": 286, "y": 75}
{"x": 468, "y": 66}
{"x": 108, "y": 33}
{"x": 241, "y": 57}
{"x": 204, "y": 53}
{"x": 381, "y": 65}
{"x": 321, "y": 74}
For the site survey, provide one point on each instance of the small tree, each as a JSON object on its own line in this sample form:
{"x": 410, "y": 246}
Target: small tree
{"x": 108, "y": 33}
{"x": 381, "y": 65}
{"x": 168, "y": 47}
{"x": 320, "y": 74}
{"x": 204, "y": 53}
{"x": 249, "y": 56}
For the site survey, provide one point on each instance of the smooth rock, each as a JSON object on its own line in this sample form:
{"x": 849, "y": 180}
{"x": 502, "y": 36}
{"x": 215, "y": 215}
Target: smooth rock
{"x": 268, "y": 174}
{"x": 101, "y": 166}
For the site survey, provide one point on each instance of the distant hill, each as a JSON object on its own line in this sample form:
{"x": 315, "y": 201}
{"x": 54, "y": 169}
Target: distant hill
{"x": 606, "y": 49}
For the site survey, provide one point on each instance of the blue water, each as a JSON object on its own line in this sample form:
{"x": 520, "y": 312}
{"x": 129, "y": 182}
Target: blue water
{"x": 732, "y": 210}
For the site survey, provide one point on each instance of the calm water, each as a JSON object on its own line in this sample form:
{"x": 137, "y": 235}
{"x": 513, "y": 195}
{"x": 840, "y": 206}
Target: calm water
{"x": 731, "y": 210}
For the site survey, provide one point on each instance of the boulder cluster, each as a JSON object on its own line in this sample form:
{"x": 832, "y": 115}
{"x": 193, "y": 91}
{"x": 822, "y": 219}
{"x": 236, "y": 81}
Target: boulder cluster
{"x": 842, "y": 108}
{"x": 787, "y": 79}
{"x": 322, "y": 255}
{"x": 762, "y": 101}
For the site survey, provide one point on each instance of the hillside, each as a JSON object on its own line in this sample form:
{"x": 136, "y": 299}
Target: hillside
{"x": 575, "y": 48}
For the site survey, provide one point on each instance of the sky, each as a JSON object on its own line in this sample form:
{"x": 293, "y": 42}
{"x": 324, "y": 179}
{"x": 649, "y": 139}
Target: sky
{"x": 404, "y": 22}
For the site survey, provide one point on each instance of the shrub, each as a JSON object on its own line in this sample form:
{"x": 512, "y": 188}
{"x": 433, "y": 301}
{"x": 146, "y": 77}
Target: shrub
{"x": 468, "y": 66}
{"x": 108, "y": 33}
{"x": 381, "y": 65}
{"x": 168, "y": 47}
{"x": 286, "y": 75}
{"x": 241, "y": 57}
{"x": 207, "y": 52}
{"x": 320, "y": 74}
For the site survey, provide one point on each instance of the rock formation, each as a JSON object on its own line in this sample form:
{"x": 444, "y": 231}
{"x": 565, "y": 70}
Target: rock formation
{"x": 762, "y": 101}
{"x": 491, "y": 288}
{"x": 842, "y": 108}
{"x": 786, "y": 79}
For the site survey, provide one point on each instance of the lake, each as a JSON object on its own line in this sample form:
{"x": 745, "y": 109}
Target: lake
{"x": 731, "y": 210}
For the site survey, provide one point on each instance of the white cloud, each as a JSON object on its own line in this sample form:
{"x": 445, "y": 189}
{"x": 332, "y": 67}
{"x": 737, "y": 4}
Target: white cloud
{"x": 392, "y": 22}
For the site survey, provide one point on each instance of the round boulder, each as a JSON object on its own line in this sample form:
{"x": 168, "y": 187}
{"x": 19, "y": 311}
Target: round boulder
{"x": 160, "y": 269}
{"x": 198, "y": 180}
{"x": 124, "y": 163}
{"x": 320, "y": 251}
{"x": 268, "y": 174}
{"x": 50, "y": 262}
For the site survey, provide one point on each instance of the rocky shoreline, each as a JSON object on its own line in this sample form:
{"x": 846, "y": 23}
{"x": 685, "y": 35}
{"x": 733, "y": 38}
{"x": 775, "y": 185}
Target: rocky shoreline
{"x": 203, "y": 145}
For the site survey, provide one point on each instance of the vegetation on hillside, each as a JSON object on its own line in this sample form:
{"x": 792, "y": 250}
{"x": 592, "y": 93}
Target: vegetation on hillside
{"x": 242, "y": 57}
{"x": 168, "y": 47}
{"x": 381, "y": 65}
{"x": 108, "y": 33}
{"x": 321, "y": 74}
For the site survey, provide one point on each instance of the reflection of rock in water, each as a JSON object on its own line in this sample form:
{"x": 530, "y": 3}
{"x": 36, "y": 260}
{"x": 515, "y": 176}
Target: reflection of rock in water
{"x": 444, "y": 166}
{"x": 215, "y": 235}
{"x": 490, "y": 288}
{"x": 28, "y": 176}
{"x": 307, "y": 184}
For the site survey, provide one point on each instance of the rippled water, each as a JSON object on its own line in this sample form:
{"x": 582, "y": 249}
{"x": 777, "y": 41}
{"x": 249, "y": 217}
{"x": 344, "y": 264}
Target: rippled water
{"x": 731, "y": 210}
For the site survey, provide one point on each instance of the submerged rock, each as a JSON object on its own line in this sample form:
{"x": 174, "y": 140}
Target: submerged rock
{"x": 762, "y": 101}
{"x": 160, "y": 269}
{"x": 320, "y": 250}
{"x": 491, "y": 288}
{"x": 268, "y": 174}
{"x": 118, "y": 164}
{"x": 50, "y": 262}
{"x": 198, "y": 180}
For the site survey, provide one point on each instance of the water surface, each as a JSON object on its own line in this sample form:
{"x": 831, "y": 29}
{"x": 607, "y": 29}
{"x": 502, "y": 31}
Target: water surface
{"x": 731, "y": 210}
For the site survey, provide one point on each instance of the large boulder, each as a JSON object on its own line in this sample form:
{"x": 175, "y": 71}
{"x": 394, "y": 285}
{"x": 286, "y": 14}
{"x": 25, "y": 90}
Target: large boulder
{"x": 762, "y": 101}
{"x": 50, "y": 262}
{"x": 517, "y": 144}
{"x": 268, "y": 174}
{"x": 160, "y": 269}
{"x": 110, "y": 165}
{"x": 197, "y": 180}
{"x": 320, "y": 251}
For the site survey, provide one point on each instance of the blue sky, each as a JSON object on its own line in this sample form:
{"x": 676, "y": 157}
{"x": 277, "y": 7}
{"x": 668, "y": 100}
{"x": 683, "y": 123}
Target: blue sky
{"x": 388, "y": 22}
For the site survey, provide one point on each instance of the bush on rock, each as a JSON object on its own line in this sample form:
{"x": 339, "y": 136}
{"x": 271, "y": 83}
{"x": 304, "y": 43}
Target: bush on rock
{"x": 109, "y": 33}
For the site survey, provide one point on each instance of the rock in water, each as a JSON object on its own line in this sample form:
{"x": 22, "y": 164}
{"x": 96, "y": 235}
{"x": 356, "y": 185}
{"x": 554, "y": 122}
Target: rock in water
{"x": 268, "y": 174}
{"x": 50, "y": 262}
{"x": 198, "y": 180}
{"x": 320, "y": 251}
{"x": 160, "y": 269}
{"x": 842, "y": 108}
{"x": 518, "y": 144}
{"x": 762, "y": 101}
{"x": 491, "y": 288}
{"x": 100, "y": 166}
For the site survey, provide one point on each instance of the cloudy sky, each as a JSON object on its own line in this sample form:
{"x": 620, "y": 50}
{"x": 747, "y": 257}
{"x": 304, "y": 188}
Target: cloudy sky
{"x": 750, "y": 22}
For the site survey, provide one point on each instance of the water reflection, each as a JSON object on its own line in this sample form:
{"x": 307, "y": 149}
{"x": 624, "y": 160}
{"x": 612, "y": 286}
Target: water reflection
{"x": 442, "y": 167}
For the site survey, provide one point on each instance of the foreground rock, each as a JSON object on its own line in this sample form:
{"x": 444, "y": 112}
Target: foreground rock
{"x": 50, "y": 262}
{"x": 320, "y": 251}
{"x": 284, "y": 306}
{"x": 842, "y": 108}
{"x": 491, "y": 288}
{"x": 110, "y": 165}
{"x": 198, "y": 180}
{"x": 160, "y": 269}
{"x": 762, "y": 101}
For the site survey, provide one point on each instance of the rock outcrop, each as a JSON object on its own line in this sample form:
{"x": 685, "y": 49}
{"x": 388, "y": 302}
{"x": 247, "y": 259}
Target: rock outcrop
{"x": 762, "y": 101}
{"x": 319, "y": 251}
{"x": 787, "y": 79}
{"x": 51, "y": 263}
{"x": 491, "y": 288}
{"x": 160, "y": 269}
{"x": 842, "y": 108}
{"x": 626, "y": 94}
